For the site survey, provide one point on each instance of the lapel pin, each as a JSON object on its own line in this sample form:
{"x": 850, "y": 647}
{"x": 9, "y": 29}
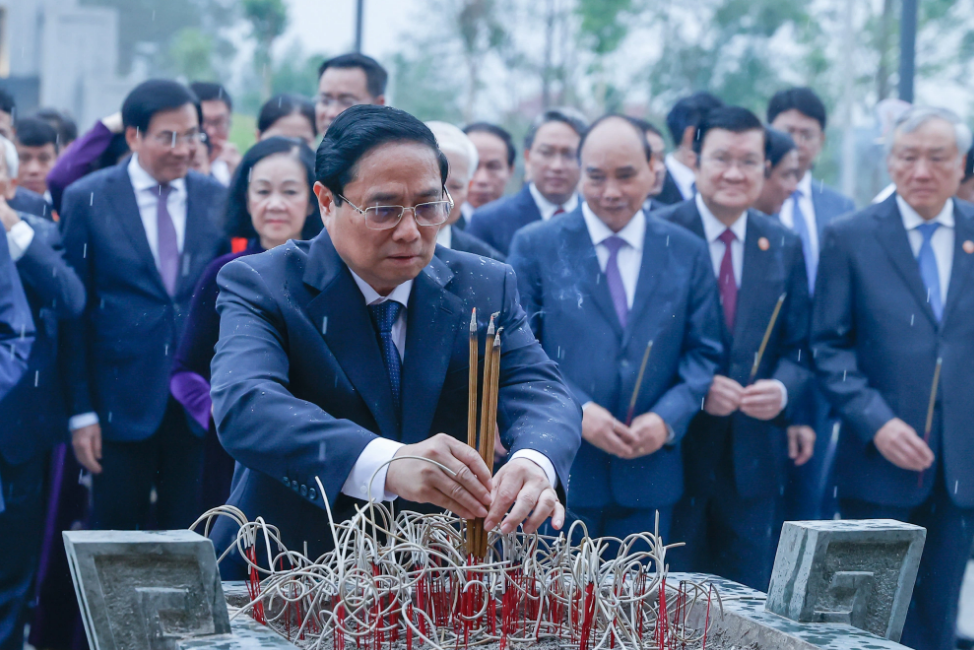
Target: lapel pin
{"x": 764, "y": 244}
{"x": 969, "y": 246}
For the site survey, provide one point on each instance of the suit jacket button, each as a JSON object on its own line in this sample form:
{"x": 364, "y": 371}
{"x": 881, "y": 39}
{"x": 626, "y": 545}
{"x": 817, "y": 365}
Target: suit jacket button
{"x": 311, "y": 494}
{"x": 294, "y": 485}
{"x": 304, "y": 490}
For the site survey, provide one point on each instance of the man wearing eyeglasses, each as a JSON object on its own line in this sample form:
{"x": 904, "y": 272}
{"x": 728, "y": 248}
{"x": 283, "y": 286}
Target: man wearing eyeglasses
{"x": 345, "y": 81}
{"x": 139, "y": 235}
{"x": 343, "y": 362}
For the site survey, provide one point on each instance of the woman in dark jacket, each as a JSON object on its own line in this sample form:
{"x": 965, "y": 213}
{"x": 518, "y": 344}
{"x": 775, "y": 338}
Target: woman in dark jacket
{"x": 270, "y": 201}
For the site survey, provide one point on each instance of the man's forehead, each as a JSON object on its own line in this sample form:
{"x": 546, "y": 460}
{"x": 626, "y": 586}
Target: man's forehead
{"x": 343, "y": 80}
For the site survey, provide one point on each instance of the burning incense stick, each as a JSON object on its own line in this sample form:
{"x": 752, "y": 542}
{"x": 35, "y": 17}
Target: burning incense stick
{"x": 767, "y": 336}
{"x": 639, "y": 383}
{"x": 933, "y": 400}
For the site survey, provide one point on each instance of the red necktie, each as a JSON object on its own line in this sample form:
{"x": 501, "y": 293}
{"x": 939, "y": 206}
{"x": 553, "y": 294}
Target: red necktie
{"x": 560, "y": 210}
{"x": 728, "y": 285}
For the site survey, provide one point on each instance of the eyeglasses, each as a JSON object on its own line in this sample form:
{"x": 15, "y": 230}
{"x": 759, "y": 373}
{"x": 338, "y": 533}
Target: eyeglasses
{"x": 387, "y": 217}
{"x": 747, "y": 165}
{"x": 217, "y": 124}
{"x": 803, "y": 135}
{"x": 173, "y": 139}
{"x": 343, "y": 102}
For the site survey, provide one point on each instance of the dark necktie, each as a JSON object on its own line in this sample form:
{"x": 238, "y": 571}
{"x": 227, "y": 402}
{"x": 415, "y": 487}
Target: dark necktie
{"x": 726, "y": 280}
{"x": 928, "y": 269}
{"x": 168, "y": 245}
{"x": 800, "y": 226}
{"x": 384, "y": 316}
{"x": 614, "y": 279}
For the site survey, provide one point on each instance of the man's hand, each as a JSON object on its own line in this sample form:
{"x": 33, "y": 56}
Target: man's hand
{"x": 114, "y": 122}
{"x": 467, "y": 494}
{"x": 762, "y": 400}
{"x": 650, "y": 432}
{"x": 8, "y": 216}
{"x": 801, "y": 443}
{"x": 599, "y": 428}
{"x": 523, "y": 484}
{"x": 724, "y": 396}
{"x": 87, "y": 447}
{"x": 899, "y": 443}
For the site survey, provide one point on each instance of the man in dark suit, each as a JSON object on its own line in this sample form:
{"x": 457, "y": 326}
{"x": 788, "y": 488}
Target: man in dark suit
{"x": 461, "y": 154}
{"x": 727, "y": 514}
{"x": 32, "y": 412}
{"x": 682, "y": 122}
{"x": 811, "y": 207}
{"x": 599, "y": 284}
{"x": 551, "y": 163}
{"x": 893, "y": 301}
{"x": 357, "y": 366}
{"x": 496, "y": 157}
{"x": 139, "y": 235}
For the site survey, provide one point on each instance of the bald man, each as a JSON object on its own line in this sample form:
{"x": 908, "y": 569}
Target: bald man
{"x": 599, "y": 284}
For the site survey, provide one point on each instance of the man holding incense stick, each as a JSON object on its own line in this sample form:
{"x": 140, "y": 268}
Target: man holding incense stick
{"x": 893, "y": 298}
{"x": 727, "y": 516}
{"x": 600, "y": 284}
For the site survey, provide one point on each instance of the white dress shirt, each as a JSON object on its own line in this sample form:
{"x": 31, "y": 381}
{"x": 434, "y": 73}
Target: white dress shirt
{"x": 444, "y": 236}
{"x": 546, "y": 207}
{"x": 146, "y": 190}
{"x": 787, "y": 214}
{"x": 682, "y": 175}
{"x": 630, "y": 257}
{"x": 381, "y": 450}
{"x": 466, "y": 212}
{"x": 712, "y": 229}
{"x": 220, "y": 171}
{"x": 942, "y": 240}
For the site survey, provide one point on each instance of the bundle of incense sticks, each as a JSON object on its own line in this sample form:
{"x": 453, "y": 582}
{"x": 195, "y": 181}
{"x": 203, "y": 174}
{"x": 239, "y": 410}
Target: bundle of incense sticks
{"x": 476, "y": 535}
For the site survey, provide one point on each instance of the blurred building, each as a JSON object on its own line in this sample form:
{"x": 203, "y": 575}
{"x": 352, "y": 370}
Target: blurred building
{"x": 60, "y": 54}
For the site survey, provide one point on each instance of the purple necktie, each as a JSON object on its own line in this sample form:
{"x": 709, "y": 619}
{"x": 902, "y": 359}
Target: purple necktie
{"x": 614, "y": 279}
{"x": 167, "y": 242}
{"x": 726, "y": 280}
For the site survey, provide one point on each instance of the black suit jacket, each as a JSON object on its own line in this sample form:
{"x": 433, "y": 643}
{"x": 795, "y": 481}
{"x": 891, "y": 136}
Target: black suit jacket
{"x": 120, "y": 351}
{"x": 495, "y": 223}
{"x": 876, "y": 344}
{"x": 30, "y": 203}
{"x": 754, "y": 447}
{"x": 670, "y": 194}
{"x": 467, "y": 243}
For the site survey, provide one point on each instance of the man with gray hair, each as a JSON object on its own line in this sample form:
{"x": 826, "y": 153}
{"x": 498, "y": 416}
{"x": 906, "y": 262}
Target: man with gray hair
{"x": 461, "y": 153}
{"x": 892, "y": 338}
{"x": 552, "y": 170}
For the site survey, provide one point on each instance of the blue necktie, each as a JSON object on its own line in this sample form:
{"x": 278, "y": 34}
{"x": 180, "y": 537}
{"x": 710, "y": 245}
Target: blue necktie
{"x": 928, "y": 269}
{"x": 384, "y": 316}
{"x": 800, "y": 225}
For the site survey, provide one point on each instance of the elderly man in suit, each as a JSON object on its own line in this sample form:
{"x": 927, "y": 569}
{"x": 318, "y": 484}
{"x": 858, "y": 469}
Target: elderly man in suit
{"x": 893, "y": 309}
{"x": 347, "y": 357}
{"x": 599, "y": 284}
{"x": 551, "y": 161}
{"x": 732, "y": 450}
{"x": 139, "y": 236}
{"x": 32, "y": 412}
{"x": 461, "y": 154}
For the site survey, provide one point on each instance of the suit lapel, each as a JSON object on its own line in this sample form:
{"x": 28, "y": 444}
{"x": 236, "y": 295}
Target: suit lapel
{"x": 655, "y": 259}
{"x": 529, "y": 212}
{"x": 753, "y": 292}
{"x": 340, "y": 314}
{"x": 593, "y": 282}
{"x": 961, "y": 269}
{"x": 125, "y": 210}
{"x": 892, "y": 235}
{"x": 434, "y": 319}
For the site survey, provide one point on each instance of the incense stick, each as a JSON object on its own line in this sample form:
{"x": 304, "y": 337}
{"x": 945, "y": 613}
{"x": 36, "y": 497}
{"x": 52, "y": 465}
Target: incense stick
{"x": 933, "y": 400}
{"x": 472, "y": 406}
{"x": 484, "y": 416}
{"x": 639, "y": 383}
{"x": 495, "y": 367}
{"x": 767, "y": 336}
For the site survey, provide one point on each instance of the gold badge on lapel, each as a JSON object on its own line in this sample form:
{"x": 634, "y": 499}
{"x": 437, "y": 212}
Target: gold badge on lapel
{"x": 969, "y": 246}
{"x": 764, "y": 244}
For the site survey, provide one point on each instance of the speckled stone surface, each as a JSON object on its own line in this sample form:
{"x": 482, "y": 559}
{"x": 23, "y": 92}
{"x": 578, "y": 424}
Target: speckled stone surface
{"x": 859, "y": 572}
{"x": 247, "y": 634}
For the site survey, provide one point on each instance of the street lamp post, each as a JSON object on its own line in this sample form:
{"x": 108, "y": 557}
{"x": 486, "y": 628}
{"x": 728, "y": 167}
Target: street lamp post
{"x": 908, "y": 41}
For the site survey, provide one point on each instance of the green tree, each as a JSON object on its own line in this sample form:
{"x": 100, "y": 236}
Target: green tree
{"x": 268, "y": 20}
{"x": 196, "y": 55}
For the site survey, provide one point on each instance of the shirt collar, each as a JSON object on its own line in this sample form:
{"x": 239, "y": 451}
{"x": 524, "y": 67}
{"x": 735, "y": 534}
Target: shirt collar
{"x": 912, "y": 219}
{"x": 142, "y": 180}
{"x": 633, "y": 234}
{"x": 805, "y": 185}
{"x": 714, "y": 227}
{"x": 546, "y": 207}
{"x": 400, "y": 294}
{"x": 444, "y": 236}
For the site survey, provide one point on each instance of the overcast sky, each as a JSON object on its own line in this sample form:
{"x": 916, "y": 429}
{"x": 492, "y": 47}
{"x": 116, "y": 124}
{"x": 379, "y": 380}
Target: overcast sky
{"x": 329, "y": 25}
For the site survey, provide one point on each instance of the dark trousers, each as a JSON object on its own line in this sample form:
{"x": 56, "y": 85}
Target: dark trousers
{"x": 620, "y": 522}
{"x": 931, "y": 621}
{"x": 810, "y": 489}
{"x": 170, "y": 460}
{"x": 22, "y": 523}
{"x": 726, "y": 534}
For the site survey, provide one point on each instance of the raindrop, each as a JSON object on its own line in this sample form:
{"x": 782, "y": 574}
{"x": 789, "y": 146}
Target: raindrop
{"x": 799, "y": 354}
{"x": 835, "y": 491}
{"x": 912, "y": 316}
{"x": 667, "y": 241}
{"x": 91, "y": 199}
{"x": 844, "y": 374}
{"x": 37, "y": 380}
{"x": 109, "y": 416}
{"x": 324, "y": 330}
{"x": 956, "y": 483}
{"x": 167, "y": 349}
{"x": 84, "y": 251}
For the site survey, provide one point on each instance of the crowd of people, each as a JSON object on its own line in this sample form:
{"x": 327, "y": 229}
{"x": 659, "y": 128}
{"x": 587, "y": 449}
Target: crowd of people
{"x": 707, "y": 342}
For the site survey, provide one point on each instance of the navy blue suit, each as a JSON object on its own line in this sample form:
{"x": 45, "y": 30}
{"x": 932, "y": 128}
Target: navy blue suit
{"x": 467, "y": 243}
{"x": 30, "y": 202}
{"x": 33, "y": 420}
{"x": 876, "y": 342}
{"x": 120, "y": 352}
{"x": 299, "y": 386}
{"x": 670, "y": 194}
{"x": 727, "y": 515}
{"x": 16, "y": 325}
{"x": 567, "y": 300}
{"x": 496, "y": 222}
